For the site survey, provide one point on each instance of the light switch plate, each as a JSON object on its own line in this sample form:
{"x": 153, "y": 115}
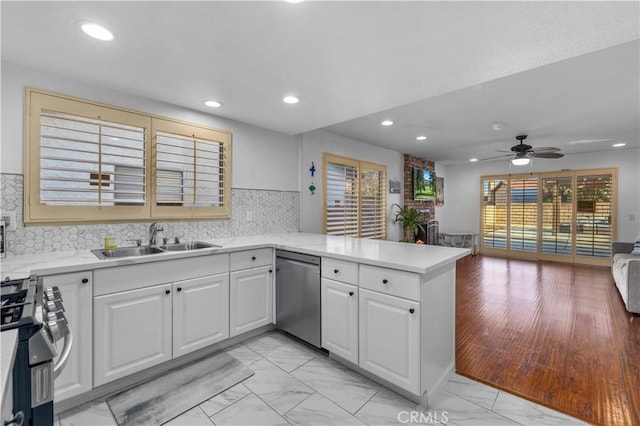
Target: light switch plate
{"x": 10, "y": 220}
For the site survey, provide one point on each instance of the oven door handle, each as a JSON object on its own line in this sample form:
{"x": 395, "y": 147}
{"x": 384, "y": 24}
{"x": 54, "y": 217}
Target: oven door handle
{"x": 62, "y": 360}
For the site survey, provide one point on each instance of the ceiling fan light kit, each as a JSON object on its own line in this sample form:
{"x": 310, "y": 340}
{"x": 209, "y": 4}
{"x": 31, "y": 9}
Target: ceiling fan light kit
{"x": 520, "y": 161}
{"x": 522, "y": 153}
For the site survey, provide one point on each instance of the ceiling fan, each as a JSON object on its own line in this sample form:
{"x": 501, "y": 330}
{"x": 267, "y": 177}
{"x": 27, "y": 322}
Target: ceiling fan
{"x": 522, "y": 153}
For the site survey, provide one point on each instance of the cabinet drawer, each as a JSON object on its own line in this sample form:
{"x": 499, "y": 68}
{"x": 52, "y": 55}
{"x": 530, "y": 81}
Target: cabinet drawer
{"x": 340, "y": 270}
{"x": 390, "y": 281}
{"x": 251, "y": 259}
{"x": 123, "y": 278}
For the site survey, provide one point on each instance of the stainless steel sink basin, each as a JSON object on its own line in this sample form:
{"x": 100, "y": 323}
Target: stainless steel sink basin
{"x": 148, "y": 250}
{"x": 191, "y": 245}
{"x": 126, "y": 252}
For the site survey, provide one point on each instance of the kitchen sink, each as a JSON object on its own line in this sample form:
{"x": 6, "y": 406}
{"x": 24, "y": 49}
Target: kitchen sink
{"x": 191, "y": 245}
{"x": 126, "y": 252}
{"x": 148, "y": 250}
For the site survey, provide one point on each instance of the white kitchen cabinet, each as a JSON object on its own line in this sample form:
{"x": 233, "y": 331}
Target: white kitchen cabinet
{"x": 339, "y": 303}
{"x": 132, "y": 331}
{"x": 200, "y": 312}
{"x": 76, "y": 289}
{"x": 250, "y": 299}
{"x": 389, "y": 336}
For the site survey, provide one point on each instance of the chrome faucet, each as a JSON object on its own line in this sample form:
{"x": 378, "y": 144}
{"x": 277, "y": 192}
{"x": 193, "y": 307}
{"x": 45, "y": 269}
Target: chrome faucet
{"x": 153, "y": 232}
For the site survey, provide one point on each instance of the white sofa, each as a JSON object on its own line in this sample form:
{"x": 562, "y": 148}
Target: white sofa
{"x": 625, "y": 268}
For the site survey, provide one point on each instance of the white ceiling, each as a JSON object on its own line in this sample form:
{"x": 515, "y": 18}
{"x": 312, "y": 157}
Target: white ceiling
{"x": 566, "y": 73}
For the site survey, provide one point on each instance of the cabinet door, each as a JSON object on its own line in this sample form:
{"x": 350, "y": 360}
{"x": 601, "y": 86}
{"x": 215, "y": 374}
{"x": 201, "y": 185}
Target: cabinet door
{"x": 251, "y": 299}
{"x": 132, "y": 331}
{"x": 200, "y": 313}
{"x": 390, "y": 338}
{"x": 77, "y": 295}
{"x": 340, "y": 319}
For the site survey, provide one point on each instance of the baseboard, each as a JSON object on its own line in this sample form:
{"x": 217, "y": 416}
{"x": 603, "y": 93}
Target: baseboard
{"x": 438, "y": 388}
{"x": 418, "y": 399}
{"x": 102, "y": 392}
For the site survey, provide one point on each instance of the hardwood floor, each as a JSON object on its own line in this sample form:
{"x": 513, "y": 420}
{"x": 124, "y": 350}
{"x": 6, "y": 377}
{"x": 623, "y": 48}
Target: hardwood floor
{"x": 556, "y": 334}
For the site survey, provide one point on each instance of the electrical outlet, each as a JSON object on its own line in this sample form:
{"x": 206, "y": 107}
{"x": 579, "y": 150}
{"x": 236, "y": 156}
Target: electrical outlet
{"x": 10, "y": 220}
{"x": 631, "y": 217}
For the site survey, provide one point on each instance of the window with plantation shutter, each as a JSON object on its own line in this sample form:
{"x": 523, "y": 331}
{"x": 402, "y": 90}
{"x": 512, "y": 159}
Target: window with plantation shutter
{"x": 90, "y": 162}
{"x": 354, "y": 198}
{"x": 87, "y": 162}
{"x": 191, "y": 171}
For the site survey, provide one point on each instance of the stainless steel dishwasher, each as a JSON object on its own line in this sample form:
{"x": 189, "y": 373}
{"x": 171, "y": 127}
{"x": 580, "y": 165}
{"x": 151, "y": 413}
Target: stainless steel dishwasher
{"x": 298, "y": 295}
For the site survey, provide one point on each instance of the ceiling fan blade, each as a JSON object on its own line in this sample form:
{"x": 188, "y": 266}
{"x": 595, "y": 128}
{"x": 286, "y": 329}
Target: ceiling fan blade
{"x": 547, "y": 154}
{"x": 546, "y": 149}
{"x": 498, "y": 156}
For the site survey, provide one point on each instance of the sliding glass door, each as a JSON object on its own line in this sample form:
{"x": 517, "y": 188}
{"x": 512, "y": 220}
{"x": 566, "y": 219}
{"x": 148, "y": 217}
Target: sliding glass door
{"x": 594, "y": 214}
{"x": 557, "y": 215}
{"x": 566, "y": 216}
{"x": 523, "y": 214}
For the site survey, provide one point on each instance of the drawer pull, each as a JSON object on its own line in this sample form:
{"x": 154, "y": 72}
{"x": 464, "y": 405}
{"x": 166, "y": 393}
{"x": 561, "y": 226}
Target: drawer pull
{"x": 270, "y": 271}
{"x": 167, "y": 291}
{"x": 350, "y": 293}
{"x": 253, "y": 258}
{"x": 85, "y": 280}
{"x": 385, "y": 281}
{"x": 335, "y": 271}
{"x": 411, "y": 310}
{"x": 179, "y": 288}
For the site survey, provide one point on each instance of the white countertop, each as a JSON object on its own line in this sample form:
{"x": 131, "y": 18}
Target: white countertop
{"x": 408, "y": 257}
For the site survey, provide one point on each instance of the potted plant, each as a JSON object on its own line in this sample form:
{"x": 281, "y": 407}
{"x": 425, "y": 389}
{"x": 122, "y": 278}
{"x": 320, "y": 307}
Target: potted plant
{"x": 408, "y": 216}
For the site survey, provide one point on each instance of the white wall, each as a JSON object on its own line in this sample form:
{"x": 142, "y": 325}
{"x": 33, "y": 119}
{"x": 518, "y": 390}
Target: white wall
{"x": 461, "y": 211}
{"x": 261, "y": 159}
{"x": 319, "y": 141}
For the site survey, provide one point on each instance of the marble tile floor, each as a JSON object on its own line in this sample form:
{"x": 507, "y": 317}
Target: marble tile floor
{"x": 295, "y": 384}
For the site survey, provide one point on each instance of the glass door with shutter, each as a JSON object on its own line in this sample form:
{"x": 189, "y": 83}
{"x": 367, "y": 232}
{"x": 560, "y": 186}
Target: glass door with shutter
{"x": 373, "y": 201}
{"x": 566, "y": 216}
{"x": 341, "y": 198}
{"x": 355, "y": 197}
{"x": 594, "y": 214}
{"x": 557, "y": 215}
{"x": 494, "y": 214}
{"x": 523, "y": 214}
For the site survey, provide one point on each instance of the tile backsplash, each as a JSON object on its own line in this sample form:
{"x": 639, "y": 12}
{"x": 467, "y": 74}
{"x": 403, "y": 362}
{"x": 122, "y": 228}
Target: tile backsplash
{"x": 253, "y": 212}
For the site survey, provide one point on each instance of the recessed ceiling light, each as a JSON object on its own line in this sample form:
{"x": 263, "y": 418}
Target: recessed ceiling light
{"x": 618, "y": 145}
{"x": 290, "y": 99}
{"x": 213, "y": 104}
{"x": 498, "y": 126}
{"x": 97, "y": 31}
{"x": 421, "y": 138}
{"x": 473, "y": 160}
{"x": 387, "y": 123}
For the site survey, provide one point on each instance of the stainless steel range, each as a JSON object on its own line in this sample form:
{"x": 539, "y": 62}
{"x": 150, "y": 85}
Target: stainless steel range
{"x": 37, "y": 315}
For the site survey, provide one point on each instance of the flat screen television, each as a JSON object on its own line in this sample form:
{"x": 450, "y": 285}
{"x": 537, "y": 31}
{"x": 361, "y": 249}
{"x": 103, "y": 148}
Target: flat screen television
{"x": 424, "y": 184}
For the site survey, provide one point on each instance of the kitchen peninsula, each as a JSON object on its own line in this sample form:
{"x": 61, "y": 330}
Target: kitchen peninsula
{"x": 388, "y": 308}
